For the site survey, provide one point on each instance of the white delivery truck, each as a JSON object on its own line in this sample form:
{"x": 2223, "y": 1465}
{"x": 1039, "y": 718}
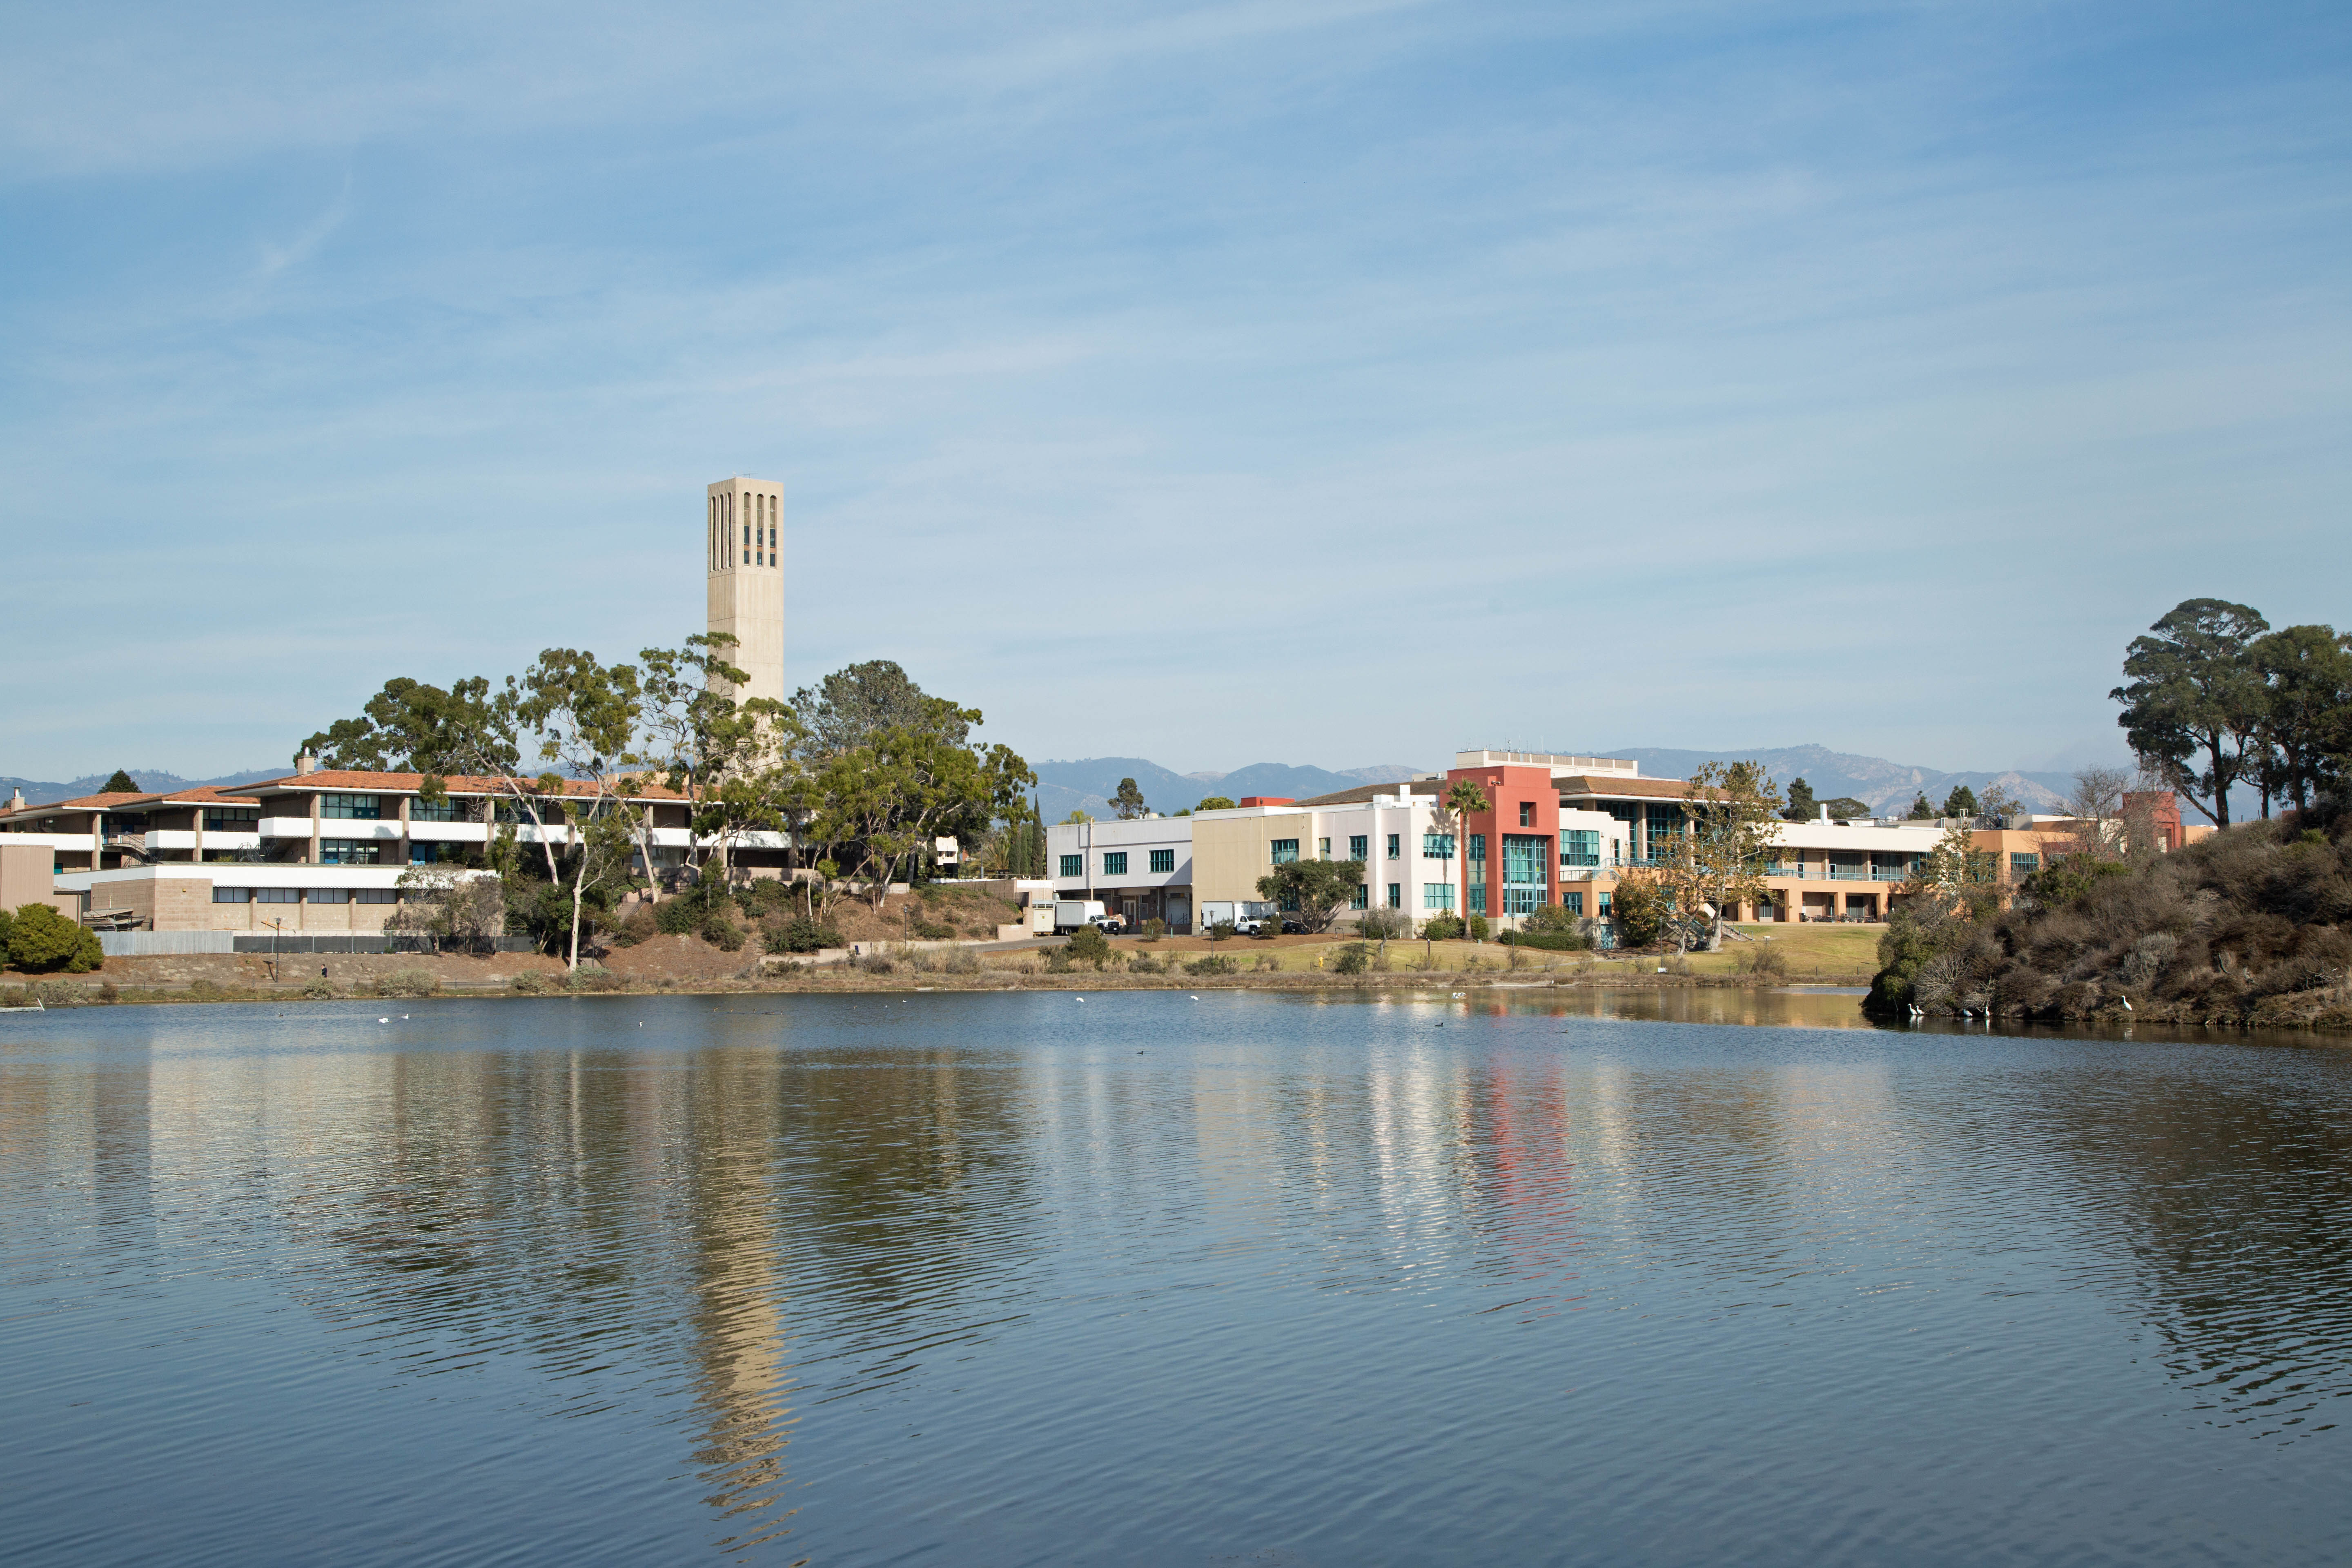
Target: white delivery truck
{"x": 1242, "y": 914}
{"x": 1069, "y": 914}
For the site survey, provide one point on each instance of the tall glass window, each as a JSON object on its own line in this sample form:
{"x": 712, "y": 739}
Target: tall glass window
{"x": 1664, "y": 824}
{"x": 1477, "y": 855}
{"x": 1394, "y": 852}
{"x": 442, "y": 810}
{"x": 1437, "y": 895}
{"x": 1360, "y": 846}
{"x": 1579, "y": 846}
{"x": 1361, "y": 899}
{"x": 1396, "y": 895}
{"x": 1322, "y": 849}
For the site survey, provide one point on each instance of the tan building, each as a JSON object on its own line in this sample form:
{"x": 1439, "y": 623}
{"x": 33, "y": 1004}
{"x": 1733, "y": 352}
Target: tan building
{"x": 743, "y": 526}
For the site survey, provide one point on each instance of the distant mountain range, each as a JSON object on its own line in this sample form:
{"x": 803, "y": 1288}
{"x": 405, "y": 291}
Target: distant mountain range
{"x": 1087, "y": 785}
{"x": 41, "y": 792}
{"x": 1888, "y": 788}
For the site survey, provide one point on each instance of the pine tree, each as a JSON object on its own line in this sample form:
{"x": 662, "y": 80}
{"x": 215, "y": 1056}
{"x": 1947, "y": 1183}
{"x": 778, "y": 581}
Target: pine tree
{"x": 121, "y": 783}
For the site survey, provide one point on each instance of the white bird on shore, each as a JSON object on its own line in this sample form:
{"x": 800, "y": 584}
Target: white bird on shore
{"x": 2127, "y": 1006}
{"x": 383, "y": 1020}
{"x": 1196, "y": 998}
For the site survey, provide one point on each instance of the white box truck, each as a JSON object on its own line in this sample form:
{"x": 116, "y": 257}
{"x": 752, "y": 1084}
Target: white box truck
{"x": 1069, "y": 914}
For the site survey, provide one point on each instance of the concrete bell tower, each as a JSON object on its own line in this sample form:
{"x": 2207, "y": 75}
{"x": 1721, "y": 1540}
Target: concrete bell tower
{"x": 743, "y": 526}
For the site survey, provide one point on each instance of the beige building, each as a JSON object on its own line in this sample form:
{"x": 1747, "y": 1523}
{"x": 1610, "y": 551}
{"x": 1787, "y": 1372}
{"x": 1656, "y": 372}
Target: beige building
{"x": 743, "y": 545}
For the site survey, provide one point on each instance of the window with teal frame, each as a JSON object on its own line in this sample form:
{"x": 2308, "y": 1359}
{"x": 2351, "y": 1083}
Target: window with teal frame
{"x": 1359, "y": 848}
{"x": 1437, "y": 847}
{"x": 1524, "y": 858}
{"x": 1604, "y": 903}
{"x": 1572, "y": 903}
{"x": 1163, "y": 859}
{"x": 1437, "y": 895}
{"x": 1073, "y": 865}
{"x": 442, "y": 810}
{"x": 1477, "y": 849}
{"x": 1664, "y": 825}
{"x": 1477, "y": 904}
{"x": 2024, "y": 865}
{"x": 1396, "y": 895}
{"x": 1394, "y": 852}
{"x": 1361, "y": 899}
{"x": 1115, "y": 863}
{"x": 1579, "y": 846}
{"x": 1521, "y": 901}
{"x": 1286, "y": 851}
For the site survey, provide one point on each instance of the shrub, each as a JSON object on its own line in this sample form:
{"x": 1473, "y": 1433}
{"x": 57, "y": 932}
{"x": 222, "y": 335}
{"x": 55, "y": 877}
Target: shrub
{"x": 408, "y": 982}
{"x": 1057, "y": 960}
{"x": 877, "y": 964}
{"x": 1215, "y": 964}
{"x": 41, "y": 940}
{"x": 203, "y": 990}
{"x": 1267, "y": 964}
{"x": 109, "y": 992}
{"x": 530, "y": 982}
{"x": 7, "y": 931}
{"x": 1441, "y": 928}
{"x": 799, "y": 934}
{"x": 1379, "y": 925}
{"x": 764, "y": 899}
{"x": 1154, "y": 929}
{"x": 1089, "y": 945}
{"x": 960, "y": 961}
{"x": 678, "y": 915}
{"x": 721, "y": 932}
{"x": 1352, "y": 959}
{"x": 1552, "y": 940}
{"x": 318, "y": 990}
{"x": 1765, "y": 962}
{"x": 1220, "y": 931}
{"x": 593, "y": 981}
{"x": 1477, "y": 927}
{"x": 640, "y": 926}
{"x": 1639, "y": 907}
{"x": 57, "y": 994}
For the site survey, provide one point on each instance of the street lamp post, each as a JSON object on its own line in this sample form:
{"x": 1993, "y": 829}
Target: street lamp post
{"x": 275, "y": 927}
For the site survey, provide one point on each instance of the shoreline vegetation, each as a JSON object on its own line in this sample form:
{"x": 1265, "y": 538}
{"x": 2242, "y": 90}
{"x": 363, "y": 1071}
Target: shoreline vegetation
{"x": 688, "y": 965}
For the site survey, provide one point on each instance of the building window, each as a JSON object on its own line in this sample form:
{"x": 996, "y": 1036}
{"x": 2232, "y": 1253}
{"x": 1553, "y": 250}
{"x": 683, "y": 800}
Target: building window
{"x": 1572, "y": 903}
{"x": 376, "y": 895}
{"x": 1604, "y": 903}
{"x": 442, "y": 810}
{"x": 1437, "y": 847}
{"x": 277, "y": 895}
{"x": 1286, "y": 851}
{"x": 2024, "y": 865}
{"x": 1396, "y": 895}
{"x": 1477, "y": 905}
{"x": 1477, "y": 852}
{"x": 1394, "y": 851}
{"x": 1524, "y": 860}
{"x": 1519, "y": 900}
{"x": 1074, "y": 865}
{"x": 350, "y": 852}
{"x": 1579, "y": 846}
{"x": 1664, "y": 824}
{"x": 1163, "y": 859}
{"x": 1358, "y": 848}
{"x": 330, "y": 895}
{"x": 1437, "y": 895}
{"x": 1322, "y": 849}
{"x": 1115, "y": 863}
{"x": 352, "y": 807}
{"x": 1362, "y": 897}
{"x": 232, "y": 895}
{"x": 232, "y": 819}
{"x": 1526, "y": 814}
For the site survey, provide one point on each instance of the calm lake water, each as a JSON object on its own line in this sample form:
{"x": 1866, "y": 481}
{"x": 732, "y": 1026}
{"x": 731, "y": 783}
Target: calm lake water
{"x": 1022, "y": 1279}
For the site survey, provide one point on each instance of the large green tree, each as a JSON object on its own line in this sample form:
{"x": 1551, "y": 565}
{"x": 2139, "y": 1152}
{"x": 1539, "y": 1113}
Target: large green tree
{"x": 2306, "y": 717}
{"x": 2193, "y": 699}
{"x": 40, "y": 939}
{"x": 1127, "y": 802}
{"x": 120, "y": 783}
{"x": 1801, "y": 806}
{"x": 1315, "y": 891}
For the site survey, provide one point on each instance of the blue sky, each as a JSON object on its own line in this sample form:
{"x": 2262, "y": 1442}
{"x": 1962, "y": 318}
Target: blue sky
{"x": 1325, "y": 383}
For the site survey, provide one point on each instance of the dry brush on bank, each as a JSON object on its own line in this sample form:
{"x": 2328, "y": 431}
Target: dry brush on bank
{"x": 2253, "y": 926}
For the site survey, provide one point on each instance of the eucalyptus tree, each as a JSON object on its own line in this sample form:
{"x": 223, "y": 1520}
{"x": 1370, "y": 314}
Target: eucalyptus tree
{"x": 2193, "y": 699}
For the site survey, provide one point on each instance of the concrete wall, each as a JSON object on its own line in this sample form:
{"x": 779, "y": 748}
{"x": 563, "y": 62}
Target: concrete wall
{"x": 26, "y": 878}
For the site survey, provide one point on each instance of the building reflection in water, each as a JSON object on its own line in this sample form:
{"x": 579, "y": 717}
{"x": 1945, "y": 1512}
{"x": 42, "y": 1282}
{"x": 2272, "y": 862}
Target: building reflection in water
{"x": 779, "y": 1214}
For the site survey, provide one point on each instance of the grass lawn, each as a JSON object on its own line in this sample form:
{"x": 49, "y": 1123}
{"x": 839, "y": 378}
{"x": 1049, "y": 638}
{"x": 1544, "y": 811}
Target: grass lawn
{"x": 1810, "y": 950}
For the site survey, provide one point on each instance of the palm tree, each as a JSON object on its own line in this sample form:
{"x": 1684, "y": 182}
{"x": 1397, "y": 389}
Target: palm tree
{"x": 1464, "y": 800}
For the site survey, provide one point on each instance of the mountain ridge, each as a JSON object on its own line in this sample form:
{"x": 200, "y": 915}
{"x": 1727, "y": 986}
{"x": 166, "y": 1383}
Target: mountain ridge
{"x": 48, "y": 792}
